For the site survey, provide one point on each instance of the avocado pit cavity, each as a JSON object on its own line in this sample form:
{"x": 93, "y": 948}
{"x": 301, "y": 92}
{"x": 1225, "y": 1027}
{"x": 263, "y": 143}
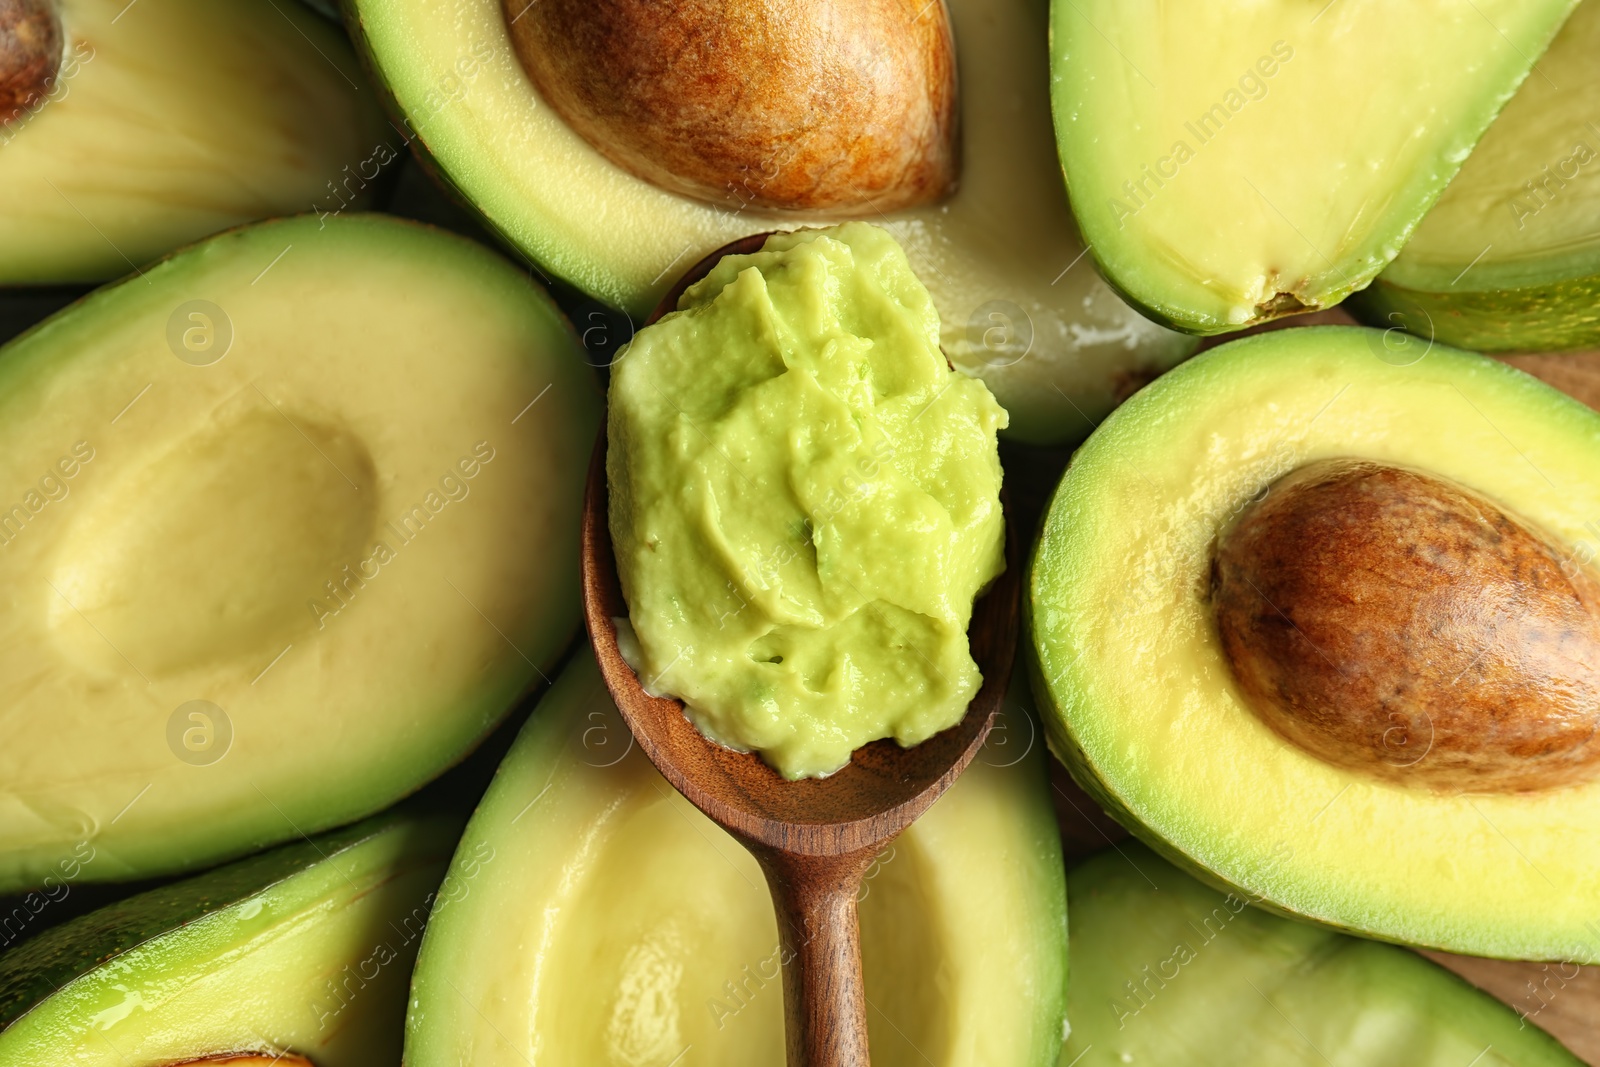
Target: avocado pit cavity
{"x": 772, "y": 104}
{"x": 30, "y": 53}
{"x": 1393, "y": 623}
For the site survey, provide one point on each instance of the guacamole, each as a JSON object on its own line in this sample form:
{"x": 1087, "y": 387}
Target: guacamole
{"x": 805, "y": 501}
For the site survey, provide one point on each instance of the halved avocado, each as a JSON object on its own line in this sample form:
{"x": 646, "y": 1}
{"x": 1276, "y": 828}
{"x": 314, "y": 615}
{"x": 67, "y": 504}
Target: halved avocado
{"x": 623, "y": 926}
{"x": 1232, "y": 163}
{"x": 1147, "y": 707}
{"x": 168, "y": 120}
{"x": 1001, "y": 257}
{"x": 302, "y": 953}
{"x": 1509, "y": 258}
{"x": 287, "y": 522}
{"x": 1167, "y": 970}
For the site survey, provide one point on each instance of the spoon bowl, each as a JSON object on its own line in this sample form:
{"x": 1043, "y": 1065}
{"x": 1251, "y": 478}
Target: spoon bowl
{"x": 816, "y": 837}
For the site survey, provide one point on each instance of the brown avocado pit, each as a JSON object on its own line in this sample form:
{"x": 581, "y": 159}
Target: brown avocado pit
{"x": 772, "y": 104}
{"x": 30, "y": 54}
{"x": 1396, "y": 624}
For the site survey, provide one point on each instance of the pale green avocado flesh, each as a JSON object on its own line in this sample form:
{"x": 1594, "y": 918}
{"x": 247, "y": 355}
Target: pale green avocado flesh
{"x": 804, "y": 502}
{"x": 304, "y": 950}
{"x": 1281, "y": 164}
{"x": 286, "y": 524}
{"x": 1020, "y": 303}
{"x": 174, "y": 119}
{"x": 1166, "y": 970}
{"x": 1509, "y": 258}
{"x": 605, "y": 920}
{"x": 1141, "y": 702}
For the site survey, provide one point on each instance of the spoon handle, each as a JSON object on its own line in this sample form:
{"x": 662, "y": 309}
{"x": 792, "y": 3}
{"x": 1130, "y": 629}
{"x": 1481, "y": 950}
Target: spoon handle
{"x": 824, "y": 998}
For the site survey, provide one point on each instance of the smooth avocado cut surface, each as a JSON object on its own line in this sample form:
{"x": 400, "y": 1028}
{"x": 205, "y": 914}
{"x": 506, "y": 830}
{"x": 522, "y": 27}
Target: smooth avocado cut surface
{"x": 1281, "y": 166}
{"x": 303, "y": 951}
{"x": 174, "y": 119}
{"x": 1166, "y": 970}
{"x": 1001, "y": 257}
{"x": 1144, "y": 705}
{"x": 603, "y": 919}
{"x": 804, "y": 502}
{"x": 286, "y": 524}
{"x": 1509, "y": 258}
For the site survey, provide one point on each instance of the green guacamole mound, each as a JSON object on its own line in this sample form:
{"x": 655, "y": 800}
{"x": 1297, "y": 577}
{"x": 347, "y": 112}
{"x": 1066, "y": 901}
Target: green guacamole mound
{"x": 804, "y": 502}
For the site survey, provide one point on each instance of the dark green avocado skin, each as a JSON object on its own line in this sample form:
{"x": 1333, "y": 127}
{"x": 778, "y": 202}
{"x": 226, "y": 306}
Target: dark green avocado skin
{"x": 1561, "y": 316}
{"x": 41, "y": 966}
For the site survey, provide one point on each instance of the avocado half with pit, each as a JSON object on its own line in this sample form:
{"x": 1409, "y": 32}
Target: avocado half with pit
{"x": 1315, "y": 616}
{"x": 127, "y": 130}
{"x": 1280, "y": 165}
{"x": 620, "y": 925}
{"x": 287, "y": 523}
{"x": 1509, "y": 258}
{"x": 300, "y": 956}
{"x": 1168, "y": 970}
{"x": 586, "y": 133}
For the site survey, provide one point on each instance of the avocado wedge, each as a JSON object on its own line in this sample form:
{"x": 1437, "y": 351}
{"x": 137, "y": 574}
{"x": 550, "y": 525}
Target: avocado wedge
{"x": 1021, "y": 306}
{"x": 622, "y": 926}
{"x": 1382, "y": 783}
{"x": 299, "y": 954}
{"x": 155, "y": 124}
{"x": 1167, "y": 970}
{"x": 287, "y": 522}
{"x": 1279, "y": 166}
{"x": 1509, "y": 258}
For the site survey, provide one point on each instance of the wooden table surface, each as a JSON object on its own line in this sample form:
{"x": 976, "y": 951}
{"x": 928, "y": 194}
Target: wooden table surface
{"x": 1562, "y": 998}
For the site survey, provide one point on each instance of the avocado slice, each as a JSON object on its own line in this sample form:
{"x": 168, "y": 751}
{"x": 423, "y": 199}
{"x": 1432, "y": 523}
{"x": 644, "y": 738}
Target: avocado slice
{"x": 173, "y": 119}
{"x": 1020, "y": 304}
{"x": 1509, "y": 258}
{"x": 621, "y": 925}
{"x": 1142, "y": 701}
{"x": 289, "y": 520}
{"x": 1280, "y": 166}
{"x": 304, "y": 952}
{"x": 1167, "y": 970}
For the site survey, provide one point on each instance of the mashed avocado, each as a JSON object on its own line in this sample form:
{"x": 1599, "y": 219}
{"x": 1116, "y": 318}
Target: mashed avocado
{"x": 805, "y": 502}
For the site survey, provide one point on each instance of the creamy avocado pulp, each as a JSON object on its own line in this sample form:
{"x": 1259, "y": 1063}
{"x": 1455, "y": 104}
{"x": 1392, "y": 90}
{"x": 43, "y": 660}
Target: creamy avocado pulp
{"x": 1140, "y": 700}
{"x": 805, "y": 502}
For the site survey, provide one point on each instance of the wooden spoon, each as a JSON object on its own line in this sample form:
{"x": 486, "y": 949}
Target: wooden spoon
{"x": 813, "y": 838}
